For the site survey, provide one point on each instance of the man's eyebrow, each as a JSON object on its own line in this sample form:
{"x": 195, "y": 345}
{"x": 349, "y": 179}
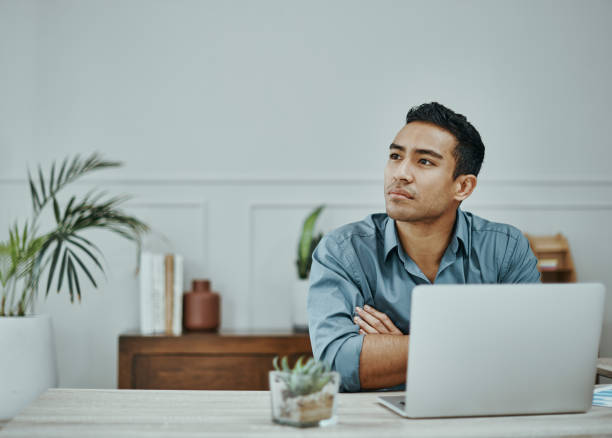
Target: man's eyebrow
{"x": 418, "y": 151}
{"x": 429, "y": 152}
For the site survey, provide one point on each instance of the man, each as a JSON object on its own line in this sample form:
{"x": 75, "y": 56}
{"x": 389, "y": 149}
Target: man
{"x": 363, "y": 273}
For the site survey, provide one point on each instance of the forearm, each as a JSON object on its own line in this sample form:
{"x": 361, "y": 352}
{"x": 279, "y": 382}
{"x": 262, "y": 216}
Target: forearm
{"x": 383, "y": 359}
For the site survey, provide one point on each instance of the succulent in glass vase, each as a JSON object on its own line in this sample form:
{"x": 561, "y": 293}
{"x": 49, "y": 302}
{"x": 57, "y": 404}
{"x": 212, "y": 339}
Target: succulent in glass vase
{"x": 304, "y": 395}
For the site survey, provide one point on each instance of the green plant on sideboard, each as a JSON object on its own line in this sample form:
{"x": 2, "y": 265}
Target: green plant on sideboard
{"x": 307, "y": 244}
{"x": 60, "y": 254}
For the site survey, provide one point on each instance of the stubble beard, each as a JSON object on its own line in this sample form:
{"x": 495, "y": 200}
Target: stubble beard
{"x": 411, "y": 214}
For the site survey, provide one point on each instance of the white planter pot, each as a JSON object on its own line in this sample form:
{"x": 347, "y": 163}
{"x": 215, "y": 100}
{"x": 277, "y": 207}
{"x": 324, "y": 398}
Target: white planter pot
{"x": 27, "y": 361}
{"x": 299, "y": 314}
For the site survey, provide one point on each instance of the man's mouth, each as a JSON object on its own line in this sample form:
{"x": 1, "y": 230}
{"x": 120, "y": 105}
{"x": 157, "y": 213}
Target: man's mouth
{"x": 400, "y": 194}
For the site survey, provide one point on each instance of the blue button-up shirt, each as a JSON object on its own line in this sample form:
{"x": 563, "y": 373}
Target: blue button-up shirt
{"x": 364, "y": 263}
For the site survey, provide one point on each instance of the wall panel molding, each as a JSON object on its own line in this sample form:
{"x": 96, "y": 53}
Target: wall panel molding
{"x": 573, "y": 206}
{"x": 290, "y": 204}
{"x": 266, "y": 179}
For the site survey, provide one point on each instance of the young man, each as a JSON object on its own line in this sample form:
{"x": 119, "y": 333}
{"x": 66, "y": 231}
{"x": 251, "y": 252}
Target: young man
{"x": 363, "y": 273}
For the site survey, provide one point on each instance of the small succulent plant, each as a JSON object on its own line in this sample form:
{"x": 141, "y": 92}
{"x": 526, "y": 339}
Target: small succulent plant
{"x": 305, "y": 378}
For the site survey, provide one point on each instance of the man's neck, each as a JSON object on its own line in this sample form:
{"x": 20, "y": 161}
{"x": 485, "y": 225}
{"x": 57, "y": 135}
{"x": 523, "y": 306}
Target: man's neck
{"x": 426, "y": 242}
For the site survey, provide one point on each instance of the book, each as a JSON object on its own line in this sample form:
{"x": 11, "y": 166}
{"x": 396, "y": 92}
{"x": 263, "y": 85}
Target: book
{"x": 177, "y": 319}
{"x": 158, "y": 297}
{"x": 549, "y": 263}
{"x": 161, "y": 293}
{"x": 603, "y": 396}
{"x": 168, "y": 292}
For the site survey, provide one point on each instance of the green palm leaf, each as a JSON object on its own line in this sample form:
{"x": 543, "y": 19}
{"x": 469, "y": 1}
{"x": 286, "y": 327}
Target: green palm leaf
{"x": 76, "y": 279}
{"x": 68, "y": 173}
{"x": 84, "y": 240}
{"x": 42, "y": 183}
{"x": 56, "y": 253}
{"x": 70, "y": 280}
{"x": 90, "y": 212}
{"x": 84, "y": 268}
{"x": 33, "y": 193}
{"x": 62, "y": 250}
{"x": 88, "y": 252}
{"x": 18, "y": 260}
{"x": 60, "y": 277}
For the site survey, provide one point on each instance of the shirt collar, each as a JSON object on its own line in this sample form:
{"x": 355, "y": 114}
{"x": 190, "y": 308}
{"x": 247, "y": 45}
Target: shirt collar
{"x": 391, "y": 239}
{"x": 462, "y": 230}
{"x": 460, "y": 234}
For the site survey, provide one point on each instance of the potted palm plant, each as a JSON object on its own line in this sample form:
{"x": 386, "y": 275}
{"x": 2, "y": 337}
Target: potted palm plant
{"x": 306, "y": 245}
{"x": 60, "y": 256}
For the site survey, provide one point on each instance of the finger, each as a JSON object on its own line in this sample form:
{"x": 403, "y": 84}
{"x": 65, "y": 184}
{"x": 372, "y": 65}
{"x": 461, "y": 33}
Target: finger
{"x": 372, "y": 320}
{"x": 361, "y": 332}
{"x": 382, "y": 317}
{"x": 365, "y": 326}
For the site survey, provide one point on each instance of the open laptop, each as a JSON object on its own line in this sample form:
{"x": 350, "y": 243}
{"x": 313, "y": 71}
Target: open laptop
{"x": 501, "y": 349}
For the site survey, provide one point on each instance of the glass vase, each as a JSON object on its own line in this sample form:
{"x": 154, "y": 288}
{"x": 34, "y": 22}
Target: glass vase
{"x": 293, "y": 405}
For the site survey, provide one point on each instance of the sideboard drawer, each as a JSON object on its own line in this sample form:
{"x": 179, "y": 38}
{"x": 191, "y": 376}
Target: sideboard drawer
{"x": 204, "y": 361}
{"x": 194, "y": 371}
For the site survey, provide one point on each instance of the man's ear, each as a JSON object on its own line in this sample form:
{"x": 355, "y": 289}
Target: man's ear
{"x": 464, "y": 186}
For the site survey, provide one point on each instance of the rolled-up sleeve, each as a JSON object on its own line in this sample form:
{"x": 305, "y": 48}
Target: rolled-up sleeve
{"x": 332, "y": 298}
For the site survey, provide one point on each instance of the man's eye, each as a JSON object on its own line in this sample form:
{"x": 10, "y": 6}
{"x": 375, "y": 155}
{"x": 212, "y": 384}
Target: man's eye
{"x": 426, "y": 162}
{"x": 394, "y": 156}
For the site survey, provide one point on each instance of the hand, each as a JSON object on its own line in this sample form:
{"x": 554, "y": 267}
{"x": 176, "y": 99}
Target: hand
{"x": 371, "y": 321}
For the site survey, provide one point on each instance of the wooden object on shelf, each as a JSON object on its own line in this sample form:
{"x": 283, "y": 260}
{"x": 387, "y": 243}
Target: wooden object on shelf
{"x": 204, "y": 360}
{"x": 554, "y": 258}
{"x": 201, "y": 307}
{"x": 604, "y": 367}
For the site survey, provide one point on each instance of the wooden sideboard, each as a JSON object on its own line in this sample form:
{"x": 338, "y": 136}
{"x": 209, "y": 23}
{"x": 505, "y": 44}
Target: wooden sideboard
{"x": 228, "y": 361}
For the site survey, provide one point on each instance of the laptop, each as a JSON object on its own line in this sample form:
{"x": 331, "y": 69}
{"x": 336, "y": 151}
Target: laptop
{"x": 501, "y": 349}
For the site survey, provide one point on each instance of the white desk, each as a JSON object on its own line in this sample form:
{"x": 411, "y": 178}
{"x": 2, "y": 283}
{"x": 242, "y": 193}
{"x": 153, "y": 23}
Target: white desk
{"x": 142, "y": 413}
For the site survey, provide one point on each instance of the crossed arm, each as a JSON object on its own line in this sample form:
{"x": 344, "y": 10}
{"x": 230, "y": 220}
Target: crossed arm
{"x": 382, "y": 362}
{"x": 376, "y": 358}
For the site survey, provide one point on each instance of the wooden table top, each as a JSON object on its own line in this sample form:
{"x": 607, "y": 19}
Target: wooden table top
{"x": 151, "y": 413}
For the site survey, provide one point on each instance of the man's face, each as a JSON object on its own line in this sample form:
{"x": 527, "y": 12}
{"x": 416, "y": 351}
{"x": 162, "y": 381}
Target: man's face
{"x": 419, "y": 183}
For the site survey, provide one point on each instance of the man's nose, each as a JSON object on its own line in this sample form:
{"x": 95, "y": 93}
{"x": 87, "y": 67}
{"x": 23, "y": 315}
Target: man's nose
{"x": 405, "y": 171}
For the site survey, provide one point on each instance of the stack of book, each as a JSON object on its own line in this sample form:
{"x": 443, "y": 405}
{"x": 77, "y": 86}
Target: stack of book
{"x": 161, "y": 293}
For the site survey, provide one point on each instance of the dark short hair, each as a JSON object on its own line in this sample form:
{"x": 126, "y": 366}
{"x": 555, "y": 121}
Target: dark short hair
{"x": 470, "y": 149}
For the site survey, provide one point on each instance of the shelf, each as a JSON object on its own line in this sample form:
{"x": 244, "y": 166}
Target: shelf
{"x": 554, "y": 251}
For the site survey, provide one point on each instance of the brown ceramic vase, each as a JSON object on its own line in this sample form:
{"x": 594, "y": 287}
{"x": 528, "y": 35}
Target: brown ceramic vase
{"x": 201, "y": 307}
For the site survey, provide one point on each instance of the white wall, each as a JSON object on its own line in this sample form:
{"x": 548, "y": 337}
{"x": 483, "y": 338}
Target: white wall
{"x": 235, "y": 118}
